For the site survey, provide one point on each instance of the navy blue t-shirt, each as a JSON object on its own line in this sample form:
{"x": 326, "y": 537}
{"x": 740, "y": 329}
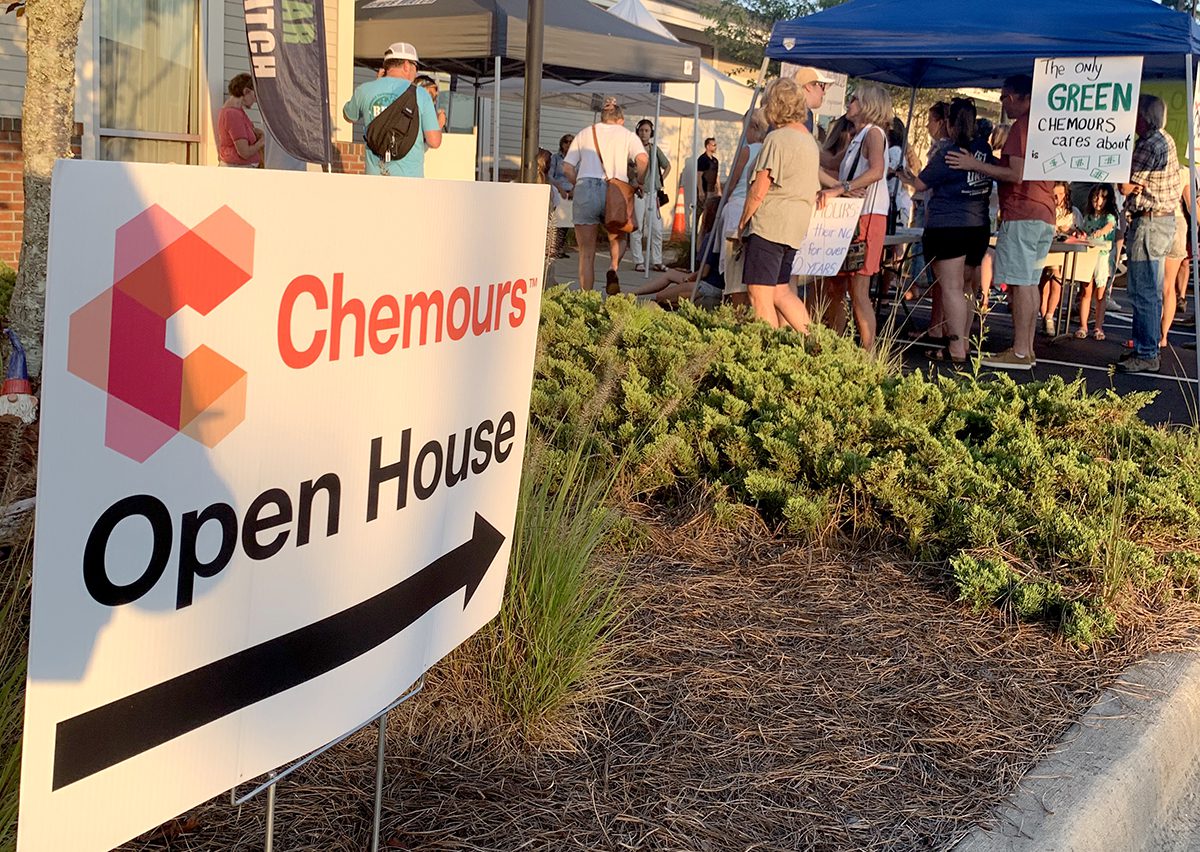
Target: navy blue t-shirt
{"x": 957, "y": 199}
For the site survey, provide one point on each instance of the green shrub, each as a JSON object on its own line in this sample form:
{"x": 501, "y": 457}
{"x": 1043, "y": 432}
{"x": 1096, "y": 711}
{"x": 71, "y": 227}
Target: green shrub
{"x": 816, "y": 437}
{"x": 8, "y": 280}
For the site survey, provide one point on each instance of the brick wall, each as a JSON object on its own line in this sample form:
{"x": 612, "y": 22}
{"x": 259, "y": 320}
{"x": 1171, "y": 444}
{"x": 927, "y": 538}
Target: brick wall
{"x": 348, "y": 158}
{"x": 12, "y": 189}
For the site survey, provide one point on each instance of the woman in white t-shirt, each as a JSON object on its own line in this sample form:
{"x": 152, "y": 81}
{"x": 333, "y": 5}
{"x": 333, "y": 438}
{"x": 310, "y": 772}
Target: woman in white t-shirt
{"x": 589, "y": 169}
{"x": 735, "y": 202}
{"x": 863, "y": 174}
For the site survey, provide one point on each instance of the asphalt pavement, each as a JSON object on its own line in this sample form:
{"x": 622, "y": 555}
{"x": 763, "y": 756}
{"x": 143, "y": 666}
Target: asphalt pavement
{"x": 1174, "y": 387}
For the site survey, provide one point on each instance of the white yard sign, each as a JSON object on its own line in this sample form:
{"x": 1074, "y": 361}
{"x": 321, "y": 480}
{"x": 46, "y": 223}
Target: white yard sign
{"x": 1081, "y": 118}
{"x": 281, "y": 444}
{"x": 829, "y": 235}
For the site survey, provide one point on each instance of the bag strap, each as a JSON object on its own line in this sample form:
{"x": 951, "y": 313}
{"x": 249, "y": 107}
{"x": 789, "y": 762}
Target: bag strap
{"x": 596, "y": 139}
{"x": 857, "y": 158}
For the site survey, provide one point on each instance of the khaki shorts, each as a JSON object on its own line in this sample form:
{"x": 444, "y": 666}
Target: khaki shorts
{"x": 1020, "y": 246}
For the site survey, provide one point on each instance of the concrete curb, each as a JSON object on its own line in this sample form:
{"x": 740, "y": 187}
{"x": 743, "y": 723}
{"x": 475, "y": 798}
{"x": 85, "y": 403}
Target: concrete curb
{"x": 1116, "y": 773}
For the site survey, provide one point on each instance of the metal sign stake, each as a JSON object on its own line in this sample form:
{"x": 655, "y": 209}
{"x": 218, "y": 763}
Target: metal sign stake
{"x": 274, "y": 777}
{"x": 379, "y": 751}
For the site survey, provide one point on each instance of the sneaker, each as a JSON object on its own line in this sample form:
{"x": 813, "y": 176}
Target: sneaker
{"x": 612, "y": 284}
{"x": 1009, "y": 360}
{"x": 1138, "y": 364}
{"x": 1048, "y": 325}
{"x": 1114, "y": 305}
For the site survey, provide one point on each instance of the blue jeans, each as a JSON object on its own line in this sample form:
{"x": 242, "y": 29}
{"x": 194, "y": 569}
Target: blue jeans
{"x": 1147, "y": 240}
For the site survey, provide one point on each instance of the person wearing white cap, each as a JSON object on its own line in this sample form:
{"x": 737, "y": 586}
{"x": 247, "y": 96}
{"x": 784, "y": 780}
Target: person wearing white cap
{"x": 372, "y": 98}
{"x": 812, "y": 81}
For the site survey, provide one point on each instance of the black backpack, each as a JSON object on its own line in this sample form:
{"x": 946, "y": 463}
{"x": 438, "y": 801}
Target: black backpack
{"x": 393, "y": 132}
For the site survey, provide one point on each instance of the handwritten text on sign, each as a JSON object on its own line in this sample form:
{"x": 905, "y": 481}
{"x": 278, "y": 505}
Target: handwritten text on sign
{"x": 829, "y": 235}
{"x": 1081, "y": 118}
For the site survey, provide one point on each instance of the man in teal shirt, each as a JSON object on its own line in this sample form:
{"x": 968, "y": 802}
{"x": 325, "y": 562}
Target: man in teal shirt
{"x": 370, "y": 99}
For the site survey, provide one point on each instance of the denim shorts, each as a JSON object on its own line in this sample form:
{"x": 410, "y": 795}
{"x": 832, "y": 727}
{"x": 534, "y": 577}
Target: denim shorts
{"x": 1021, "y": 246}
{"x": 588, "y": 205}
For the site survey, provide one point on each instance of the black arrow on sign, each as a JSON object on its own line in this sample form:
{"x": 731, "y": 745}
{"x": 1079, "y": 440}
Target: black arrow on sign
{"x": 100, "y": 738}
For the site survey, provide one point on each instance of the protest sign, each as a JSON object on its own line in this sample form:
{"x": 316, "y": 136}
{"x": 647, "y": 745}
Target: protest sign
{"x": 1081, "y": 118}
{"x": 829, "y": 235}
{"x": 280, "y": 452}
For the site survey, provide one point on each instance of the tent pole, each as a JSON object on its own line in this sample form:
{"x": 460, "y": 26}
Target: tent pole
{"x": 496, "y": 123}
{"x": 696, "y": 172}
{"x": 652, "y": 195}
{"x": 1192, "y": 230}
{"x": 712, "y": 235}
{"x": 912, "y": 103}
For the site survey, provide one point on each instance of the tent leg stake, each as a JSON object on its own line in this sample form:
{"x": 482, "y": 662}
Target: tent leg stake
{"x": 269, "y": 842}
{"x": 1195, "y": 263}
{"x": 379, "y": 752}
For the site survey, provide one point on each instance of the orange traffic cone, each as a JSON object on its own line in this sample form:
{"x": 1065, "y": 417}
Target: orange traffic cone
{"x": 679, "y": 229}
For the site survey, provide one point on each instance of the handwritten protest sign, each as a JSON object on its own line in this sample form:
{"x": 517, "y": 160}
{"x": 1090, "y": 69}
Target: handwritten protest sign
{"x": 1081, "y": 119}
{"x": 829, "y": 235}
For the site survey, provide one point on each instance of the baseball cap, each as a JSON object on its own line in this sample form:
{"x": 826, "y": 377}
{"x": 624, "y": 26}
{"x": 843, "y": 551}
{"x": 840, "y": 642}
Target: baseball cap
{"x": 401, "y": 50}
{"x": 806, "y": 74}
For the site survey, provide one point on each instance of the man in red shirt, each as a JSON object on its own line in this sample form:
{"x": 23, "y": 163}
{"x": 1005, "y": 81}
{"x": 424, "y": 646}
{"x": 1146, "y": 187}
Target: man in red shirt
{"x": 1026, "y": 224}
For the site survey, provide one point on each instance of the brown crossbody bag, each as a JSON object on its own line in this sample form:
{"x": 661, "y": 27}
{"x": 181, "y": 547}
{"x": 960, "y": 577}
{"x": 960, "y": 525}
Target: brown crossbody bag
{"x": 618, "y": 198}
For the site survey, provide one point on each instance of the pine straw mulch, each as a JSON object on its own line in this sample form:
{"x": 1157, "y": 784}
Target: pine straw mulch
{"x": 763, "y": 696}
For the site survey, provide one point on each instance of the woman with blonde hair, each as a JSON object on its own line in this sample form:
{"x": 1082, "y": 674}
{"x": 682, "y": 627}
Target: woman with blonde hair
{"x": 863, "y": 174}
{"x": 597, "y": 154}
{"x": 781, "y": 199}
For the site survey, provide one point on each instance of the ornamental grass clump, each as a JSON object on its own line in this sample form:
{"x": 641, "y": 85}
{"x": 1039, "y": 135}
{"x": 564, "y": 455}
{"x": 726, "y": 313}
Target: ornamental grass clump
{"x": 547, "y": 646}
{"x": 1086, "y": 507}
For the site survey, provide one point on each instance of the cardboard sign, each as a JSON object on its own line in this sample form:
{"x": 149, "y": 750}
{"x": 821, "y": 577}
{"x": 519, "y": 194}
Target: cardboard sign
{"x": 829, "y": 235}
{"x": 1082, "y": 117}
{"x": 281, "y": 443}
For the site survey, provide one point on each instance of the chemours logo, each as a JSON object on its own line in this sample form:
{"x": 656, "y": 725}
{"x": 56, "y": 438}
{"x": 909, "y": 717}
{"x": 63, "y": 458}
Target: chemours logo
{"x": 118, "y": 340}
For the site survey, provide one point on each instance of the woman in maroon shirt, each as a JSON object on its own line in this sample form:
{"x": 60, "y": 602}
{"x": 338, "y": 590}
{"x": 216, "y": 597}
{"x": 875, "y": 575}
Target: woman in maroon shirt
{"x": 239, "y": 142}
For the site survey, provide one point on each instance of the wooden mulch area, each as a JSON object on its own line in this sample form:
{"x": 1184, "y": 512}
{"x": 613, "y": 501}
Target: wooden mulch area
{"x": 763, "y": 696}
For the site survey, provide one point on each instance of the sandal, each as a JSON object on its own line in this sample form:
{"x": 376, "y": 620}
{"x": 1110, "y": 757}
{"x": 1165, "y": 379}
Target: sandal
{"x": 1098, "y": 334}
{"x": 658, "y": 267}
{"x": 1081, "y": 334}
{"x": 943, "y": 354}
{"x": 641, "y": 267}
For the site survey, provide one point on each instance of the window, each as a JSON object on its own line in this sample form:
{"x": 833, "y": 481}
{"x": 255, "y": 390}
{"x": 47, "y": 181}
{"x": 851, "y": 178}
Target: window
{"x": 149, "y": 81}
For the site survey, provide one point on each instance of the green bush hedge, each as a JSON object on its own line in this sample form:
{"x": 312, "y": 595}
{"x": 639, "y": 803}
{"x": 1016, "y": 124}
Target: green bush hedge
{"x": 1044, "y": 499}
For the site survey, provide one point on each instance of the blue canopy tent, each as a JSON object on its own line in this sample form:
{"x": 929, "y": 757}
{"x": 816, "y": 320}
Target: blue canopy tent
{"x": 951, "y": 43}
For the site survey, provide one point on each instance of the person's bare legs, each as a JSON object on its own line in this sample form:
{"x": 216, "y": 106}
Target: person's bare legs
{"x": 585, "y": 236}
{"x": 985, "y": 277}
{"x": 864, "y": 311}
{"x": 1024, "y": 301}
{"x": 616, "y": 249}
{"x": 1171, "y": 268}
{"x": 1085, "y": 306}
{"x": 955, "y": 306}
{"x": 833, "y": 294}
{"x": 1051, "y": 292}
{"x": 1101, "y": 304}
{"x": 661, "y": 282}
{"x": 791, "y": 308}
{"x": 762, "y": 299}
